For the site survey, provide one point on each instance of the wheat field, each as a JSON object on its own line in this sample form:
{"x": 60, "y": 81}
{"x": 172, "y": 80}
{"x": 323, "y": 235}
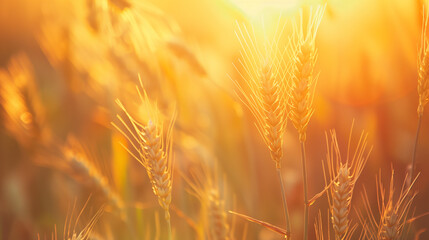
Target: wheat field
{"x": 214, "y": 119}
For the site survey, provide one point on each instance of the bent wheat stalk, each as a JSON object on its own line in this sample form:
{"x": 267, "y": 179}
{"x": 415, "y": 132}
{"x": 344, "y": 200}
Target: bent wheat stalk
{"x": 303, "y": 85}
{"x": 264, "y": 91}
{"x": 154, "y": 148}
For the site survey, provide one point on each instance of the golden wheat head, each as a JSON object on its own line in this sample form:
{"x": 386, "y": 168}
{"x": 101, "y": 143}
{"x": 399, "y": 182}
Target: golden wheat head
{"x": 263, "y": 89}
{"x": 423, "y": 71}
{"x": 393, "y": 211}
{"x": 205, "y": 187}
{"x": 304, "y": 80}
{"x": 343, "y": 176}
{"x": 153, "y": 144}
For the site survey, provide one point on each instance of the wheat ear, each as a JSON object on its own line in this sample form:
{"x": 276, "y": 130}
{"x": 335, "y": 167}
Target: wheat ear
{"x": 422, "y": 85}
{"x": 154, "y": 148}
{"x": 303, "y": 84}
{"x": 81, "y": 161}
{"x": 264, "y": 91}
{"x": 344, "y": 176}
{"x": 394, "y": 211}
{"x": 304, "y": 80}
{"x": 205, "y": 187}
{"x": 423, "y": 71}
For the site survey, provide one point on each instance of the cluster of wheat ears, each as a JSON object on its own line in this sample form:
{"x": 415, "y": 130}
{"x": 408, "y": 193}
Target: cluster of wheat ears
{"x": 276, "y": 80}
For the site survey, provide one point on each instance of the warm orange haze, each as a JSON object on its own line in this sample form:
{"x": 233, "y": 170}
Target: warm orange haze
{"x": 214, "y": 119}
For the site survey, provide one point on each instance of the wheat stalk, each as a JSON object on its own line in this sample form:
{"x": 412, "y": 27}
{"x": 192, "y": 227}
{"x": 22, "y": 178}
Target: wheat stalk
{"x": 264, "y": 91}
{"x": 205, "y": 186}
{"x": 394, "y": 212}
{"x": 344, "y": 176}
{"x": 81, "y": 161}
{"x": 422, "y": 85}
{"x": 219, "y": 226}
{"x": 303, "y": 84}
{"x": 153, "y": 147}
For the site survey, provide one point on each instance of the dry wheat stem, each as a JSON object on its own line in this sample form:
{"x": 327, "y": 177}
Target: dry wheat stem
{"x": 344, "y": 176}
{"x": 416, "y": 140}
{"x": 304, "y": 177}
{"x": 264, "y": 90}
{"x": 285, "y": 209}
{"x": 153, "y": 147}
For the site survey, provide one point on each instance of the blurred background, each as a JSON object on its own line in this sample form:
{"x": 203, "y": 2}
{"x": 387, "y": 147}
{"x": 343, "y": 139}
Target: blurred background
{"x": 64, "y": 63}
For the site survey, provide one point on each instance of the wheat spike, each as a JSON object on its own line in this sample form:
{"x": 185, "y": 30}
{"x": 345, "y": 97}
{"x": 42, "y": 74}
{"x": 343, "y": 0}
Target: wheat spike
{"x": 153, "y": 147}
{"x": 303, "y": 78}
{"x": 394, "y": 211}
{"x": 81, "y": 161}
{"x": 219, "y": 228}
{"x": 263, "y": 89}
{"x": 423, "y": 71}
{"x": 344, "y": 176}
{"x": 205, "y": 187}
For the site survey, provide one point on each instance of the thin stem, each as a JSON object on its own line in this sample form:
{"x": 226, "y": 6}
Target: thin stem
{"x": 304, "y": 176}
{"x": 285, "y": 208}
{"x": 169, "y": 227}
{"x": 415, "y": 148}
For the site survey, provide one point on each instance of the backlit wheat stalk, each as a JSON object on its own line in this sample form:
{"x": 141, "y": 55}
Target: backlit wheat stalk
{"x": 81, "y": 162}
{"x": 154, "y": 148}
{"x": 422, "y": 85}
{"x": 303, "y": 84}
{"x": 303, "y": 77}
{"x": 344, "y": 175}
{"x": 213, "y": 220}
{"x": 393, "y": 211}
{"x": 264, "y": 91}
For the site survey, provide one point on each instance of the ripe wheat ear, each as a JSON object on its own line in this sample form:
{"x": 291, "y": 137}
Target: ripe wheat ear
{"x": 394, "y": 217}
{"x": 153, "y": 146}
{"x": 264, "y": 91}
{"x": 344, "y": 175}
